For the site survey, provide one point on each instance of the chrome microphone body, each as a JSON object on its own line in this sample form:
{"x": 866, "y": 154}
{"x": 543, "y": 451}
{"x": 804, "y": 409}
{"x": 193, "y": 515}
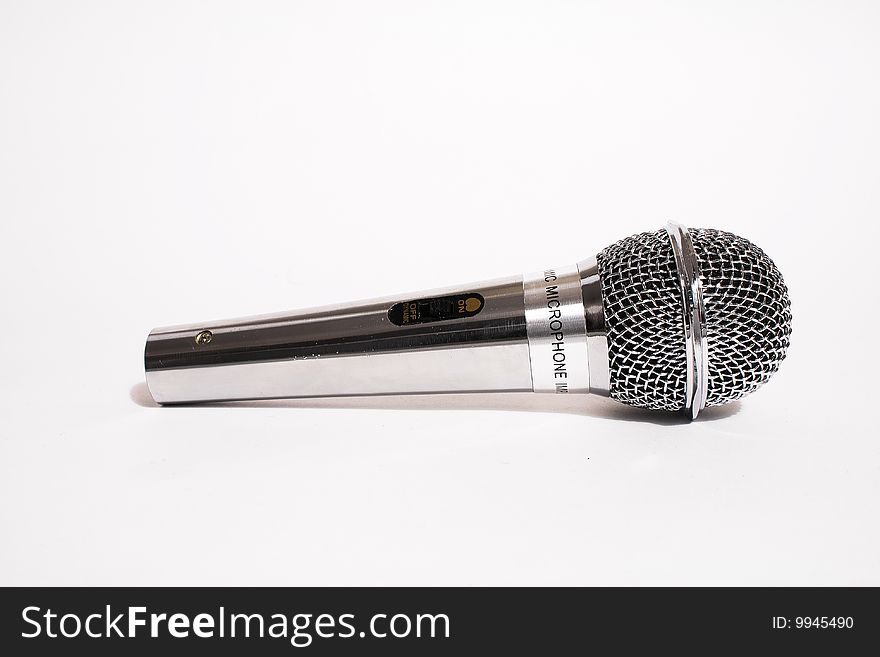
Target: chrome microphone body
{"x": 543, "y": 332}
{"x": 670, "y": 320}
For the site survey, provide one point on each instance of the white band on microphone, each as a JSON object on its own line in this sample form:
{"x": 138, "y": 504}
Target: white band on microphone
{"x": 556, "y": 330}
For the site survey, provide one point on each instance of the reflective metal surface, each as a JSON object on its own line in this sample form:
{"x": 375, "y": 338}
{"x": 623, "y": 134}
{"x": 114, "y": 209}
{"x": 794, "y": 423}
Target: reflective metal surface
{"x": 693, "y": 318}
{"x": 557, "y": 331}
{"x": 596, "y": 330}
{"x": 345, "y": 350}
{"x": 500, "y": 336}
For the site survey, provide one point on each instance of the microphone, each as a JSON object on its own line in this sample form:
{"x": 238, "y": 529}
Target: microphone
{"x": 673, "y": 320}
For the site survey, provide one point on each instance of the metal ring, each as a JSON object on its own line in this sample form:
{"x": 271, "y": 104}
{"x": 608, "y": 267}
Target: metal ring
{"x": 693, "y": 313}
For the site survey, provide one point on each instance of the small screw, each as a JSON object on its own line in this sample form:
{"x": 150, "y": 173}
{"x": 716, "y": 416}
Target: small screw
{"x": 204, "y": 337}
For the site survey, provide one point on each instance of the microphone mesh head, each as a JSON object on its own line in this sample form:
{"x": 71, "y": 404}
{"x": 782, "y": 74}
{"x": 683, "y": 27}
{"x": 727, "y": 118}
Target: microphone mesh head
{"x": 748, "y": 318}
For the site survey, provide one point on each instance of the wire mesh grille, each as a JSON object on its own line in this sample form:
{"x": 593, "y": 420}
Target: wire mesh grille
{"x": 748, "y": 313}
{"x": 748, "y": 318}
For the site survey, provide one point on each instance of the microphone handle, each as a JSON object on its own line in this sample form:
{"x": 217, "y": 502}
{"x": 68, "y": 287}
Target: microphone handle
{"x": 544, "y": 332}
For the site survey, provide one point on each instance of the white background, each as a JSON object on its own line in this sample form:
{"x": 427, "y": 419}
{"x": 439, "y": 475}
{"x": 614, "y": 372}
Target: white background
{"x": 168, "y": 162}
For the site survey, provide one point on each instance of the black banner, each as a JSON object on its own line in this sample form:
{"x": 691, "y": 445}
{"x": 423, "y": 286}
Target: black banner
{"x": 419, "y": 621}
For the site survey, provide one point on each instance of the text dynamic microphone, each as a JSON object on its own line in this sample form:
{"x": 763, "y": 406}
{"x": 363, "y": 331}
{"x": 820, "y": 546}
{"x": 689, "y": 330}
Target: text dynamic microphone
{"x": 673, "y": 320}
